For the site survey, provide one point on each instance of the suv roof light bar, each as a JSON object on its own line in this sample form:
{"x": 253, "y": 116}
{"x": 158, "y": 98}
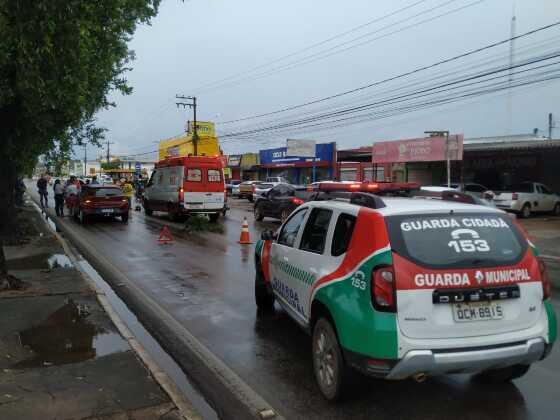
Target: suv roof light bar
{"x": 372, "y": 187}
{"x": 369, "y": 200}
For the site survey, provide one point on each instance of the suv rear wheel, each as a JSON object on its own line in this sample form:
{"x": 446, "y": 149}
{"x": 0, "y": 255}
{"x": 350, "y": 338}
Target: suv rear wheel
{"x": 214, "y": 217}
{"x": 503, "y": 375}
{"x": 147, "y": 208}
{"x": 556, "y": 211}
{"x": 264, "y": 298}
{"x": 259, "y": 214}
{"x": 328, "y": 364}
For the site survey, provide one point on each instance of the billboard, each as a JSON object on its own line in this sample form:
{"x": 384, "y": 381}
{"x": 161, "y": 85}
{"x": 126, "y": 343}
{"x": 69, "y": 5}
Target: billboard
{"x": 234, "y": 161}
{"x": 418, "y": 150}
{"x": 302, "y": 148}
{"x": 324, "y": 152}
{"x": 203, "y": 128}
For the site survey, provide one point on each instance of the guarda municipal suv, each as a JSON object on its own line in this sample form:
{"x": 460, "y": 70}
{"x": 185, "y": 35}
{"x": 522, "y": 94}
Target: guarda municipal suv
{"x": 408, "y": 287}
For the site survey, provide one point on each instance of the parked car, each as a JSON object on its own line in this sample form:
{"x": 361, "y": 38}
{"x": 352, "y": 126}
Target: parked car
{"x": 454, "y": 195}
{"x": 181, "y": 186}
{"x": 230, "y": 184}
{"x": 246, "y": 189}
{"x": 472, "y": 188}
{"x": 277, "y": 179}
{"x": 279, "y": 201}
{"x": 261, "y": 188}
{"x": 402, "y": 288}
{"x": 526, "y": 198}
{"x": 101, "y": 201}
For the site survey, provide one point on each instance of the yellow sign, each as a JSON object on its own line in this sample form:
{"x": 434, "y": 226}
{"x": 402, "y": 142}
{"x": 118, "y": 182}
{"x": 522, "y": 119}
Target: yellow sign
{"x": 203, "y": 128}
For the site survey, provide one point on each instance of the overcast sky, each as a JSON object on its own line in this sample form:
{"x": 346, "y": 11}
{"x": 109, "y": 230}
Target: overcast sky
{"x": 195, "y": 43}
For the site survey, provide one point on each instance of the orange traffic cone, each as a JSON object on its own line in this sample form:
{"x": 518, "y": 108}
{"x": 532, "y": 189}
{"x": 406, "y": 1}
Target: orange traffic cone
{"x": 165, "y": 236}
{"x": 244, "y": 238}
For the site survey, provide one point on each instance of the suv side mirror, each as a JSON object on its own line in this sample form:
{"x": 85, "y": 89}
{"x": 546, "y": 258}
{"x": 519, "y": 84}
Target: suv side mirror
{"x": 268, "y": 235}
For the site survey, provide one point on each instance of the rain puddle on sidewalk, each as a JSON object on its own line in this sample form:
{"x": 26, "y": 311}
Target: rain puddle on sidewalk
{"x": 66, "y": 336}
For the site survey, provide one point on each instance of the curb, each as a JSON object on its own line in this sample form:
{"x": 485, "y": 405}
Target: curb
{"x": 229, "y": 395}
{"x": 184, "y": 406}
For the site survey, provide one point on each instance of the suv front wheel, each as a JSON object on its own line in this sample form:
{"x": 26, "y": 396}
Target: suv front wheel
{"x": 328, "y": 364}
{"x": 507, "y": 374}
{"x": 264, "y": 298}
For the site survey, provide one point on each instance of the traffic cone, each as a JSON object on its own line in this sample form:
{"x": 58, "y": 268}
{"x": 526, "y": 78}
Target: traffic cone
{"x": 165, "y": 236}
{"x": 244, "y": 239}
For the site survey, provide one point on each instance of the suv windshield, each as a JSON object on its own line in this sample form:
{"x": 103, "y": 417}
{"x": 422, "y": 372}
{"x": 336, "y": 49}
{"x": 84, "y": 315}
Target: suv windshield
{"x": 458, "y": 240}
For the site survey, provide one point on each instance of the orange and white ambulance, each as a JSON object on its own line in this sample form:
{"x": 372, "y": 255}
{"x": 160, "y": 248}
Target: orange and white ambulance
{"x": 182, "y": 186}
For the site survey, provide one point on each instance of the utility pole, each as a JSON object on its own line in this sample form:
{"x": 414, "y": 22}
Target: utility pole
{"x": 447, "y": 151}
{"x": 550, "y": 125}
{"x": 85, "y": 159}
{"x": 191, "y": 104}
{"x": 109, "y": 143}
{"x": 510, "y": 74}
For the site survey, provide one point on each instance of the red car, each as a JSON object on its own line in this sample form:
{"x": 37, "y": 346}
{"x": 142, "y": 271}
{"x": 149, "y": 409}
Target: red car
{"x": 103, "y": 201}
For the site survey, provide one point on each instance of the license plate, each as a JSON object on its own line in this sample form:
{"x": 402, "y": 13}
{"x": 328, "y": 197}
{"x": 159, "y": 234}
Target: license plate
{"x": 107, "y": 210}
{"x": 479, "y": 311}
{"x": 195, "y": 205}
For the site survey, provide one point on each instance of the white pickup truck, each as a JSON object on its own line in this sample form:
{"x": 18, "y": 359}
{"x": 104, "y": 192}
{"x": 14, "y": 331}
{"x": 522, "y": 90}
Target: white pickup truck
{"x": 526, "y": 198}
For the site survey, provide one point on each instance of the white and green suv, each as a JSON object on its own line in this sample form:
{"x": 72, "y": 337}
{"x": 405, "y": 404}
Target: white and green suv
{"x": 404, "y": 287}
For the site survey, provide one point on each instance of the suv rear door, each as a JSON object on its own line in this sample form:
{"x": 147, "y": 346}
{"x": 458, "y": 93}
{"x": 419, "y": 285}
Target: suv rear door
{"x": 444, "y": 258}
{"x": 203, "y": 187}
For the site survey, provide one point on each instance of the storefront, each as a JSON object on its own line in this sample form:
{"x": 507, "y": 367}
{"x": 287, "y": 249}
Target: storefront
{"x": 234, "y": 166}
{"x": 356, "y": 165}
{"x": 249, "y": 166}
{"x": 495, "y": 162}
{"x": 299, "y": 170}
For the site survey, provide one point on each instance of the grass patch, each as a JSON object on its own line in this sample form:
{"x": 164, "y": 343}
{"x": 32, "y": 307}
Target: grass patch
{"x": 202, "y": 224}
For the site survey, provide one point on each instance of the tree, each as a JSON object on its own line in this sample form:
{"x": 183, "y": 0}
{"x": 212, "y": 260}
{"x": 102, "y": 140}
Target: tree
{"x": 58, "y": 62}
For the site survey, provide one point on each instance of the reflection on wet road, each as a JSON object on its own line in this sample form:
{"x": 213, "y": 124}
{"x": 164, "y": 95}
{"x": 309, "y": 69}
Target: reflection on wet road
{"x": 205, "y": 281}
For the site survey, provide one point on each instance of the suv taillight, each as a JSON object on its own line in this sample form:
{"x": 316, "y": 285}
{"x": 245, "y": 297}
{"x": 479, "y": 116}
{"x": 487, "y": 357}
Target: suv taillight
{"x": 181, "y": 192}
{"x": 254, "y": 188}
{"x": 383, "y": 294}
{"x": 297, "y": 201}
{"x": 545, "y": 281}
{"x": 515, "y": 196}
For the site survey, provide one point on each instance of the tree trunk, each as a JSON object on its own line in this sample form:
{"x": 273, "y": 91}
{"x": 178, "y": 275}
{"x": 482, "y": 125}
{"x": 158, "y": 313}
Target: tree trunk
{"x": 8, "y": 178}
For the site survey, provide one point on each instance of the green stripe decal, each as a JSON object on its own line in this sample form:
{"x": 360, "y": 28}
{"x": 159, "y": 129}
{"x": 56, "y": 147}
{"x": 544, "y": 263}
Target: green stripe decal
{"x": 360, "y": 328}
{"x": 552, "y": 322}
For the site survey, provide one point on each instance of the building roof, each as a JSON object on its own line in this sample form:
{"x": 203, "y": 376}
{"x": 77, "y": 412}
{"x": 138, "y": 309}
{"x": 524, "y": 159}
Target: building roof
{"x": 512, "y": 144}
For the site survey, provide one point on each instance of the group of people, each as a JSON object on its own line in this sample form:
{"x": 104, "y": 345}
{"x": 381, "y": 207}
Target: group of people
{"x": 70, "y": 192}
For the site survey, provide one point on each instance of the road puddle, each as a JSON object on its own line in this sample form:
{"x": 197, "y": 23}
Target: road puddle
{"x": 66, "y": 336}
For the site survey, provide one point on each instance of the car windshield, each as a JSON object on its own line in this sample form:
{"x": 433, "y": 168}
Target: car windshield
{"x": 458, "y": 240}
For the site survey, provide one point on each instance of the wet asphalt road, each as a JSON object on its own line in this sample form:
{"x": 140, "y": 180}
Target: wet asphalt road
{"x": 205, "y": 281}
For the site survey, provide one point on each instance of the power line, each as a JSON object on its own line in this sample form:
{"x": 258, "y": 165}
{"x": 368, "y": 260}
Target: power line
{"x": 390, "y": 79}
{"x": 327, "y": 53}
{"x": 310, "y": 47}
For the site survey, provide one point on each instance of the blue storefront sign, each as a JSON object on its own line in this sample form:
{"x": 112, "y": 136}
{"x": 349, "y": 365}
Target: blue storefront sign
{"x": 324, "y": 152}
{"x": 137, "y": 170}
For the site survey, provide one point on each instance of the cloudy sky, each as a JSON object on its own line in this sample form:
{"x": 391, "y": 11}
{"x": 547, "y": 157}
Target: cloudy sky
{"x": 248, "y": 57}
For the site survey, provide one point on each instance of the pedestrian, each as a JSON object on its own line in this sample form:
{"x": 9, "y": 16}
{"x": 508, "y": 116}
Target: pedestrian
{"x": 58, "y": 198}
{"x": 128, "y": 192}
{"x": 43, "y": 193}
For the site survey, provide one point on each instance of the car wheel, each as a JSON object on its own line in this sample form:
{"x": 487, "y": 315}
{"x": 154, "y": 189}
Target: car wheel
{"x": 284, "y": 215}
{"x": 507, "y": 374}
{"x": 259, "y": 215}
{"x": 147, "y": 208}
{"x": 250, "y": 198}
{"x": 264, "y": 298}
{"x": 526, "y": 211}
{"x": 214, "y": 217}
{"x": 556, "y": 211}
{"x": 124, "y": 218}
{"x": 328, "y": 364}
{"x": 82, "y": 217}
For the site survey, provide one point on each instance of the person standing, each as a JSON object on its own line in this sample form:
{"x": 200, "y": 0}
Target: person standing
{"x": 58, "y": 198}
{"x": 128, "y": 192}
{"x": 43, "y": 193}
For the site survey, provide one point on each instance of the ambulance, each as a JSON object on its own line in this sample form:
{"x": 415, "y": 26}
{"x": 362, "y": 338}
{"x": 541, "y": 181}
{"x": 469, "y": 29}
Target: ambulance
{"x": 398, "y": 287}
{"x": 181, "y": 186}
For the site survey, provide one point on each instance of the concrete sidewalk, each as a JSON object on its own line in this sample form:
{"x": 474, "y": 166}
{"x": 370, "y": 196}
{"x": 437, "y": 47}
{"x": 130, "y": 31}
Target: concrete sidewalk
{"x": 61, "y": 356}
